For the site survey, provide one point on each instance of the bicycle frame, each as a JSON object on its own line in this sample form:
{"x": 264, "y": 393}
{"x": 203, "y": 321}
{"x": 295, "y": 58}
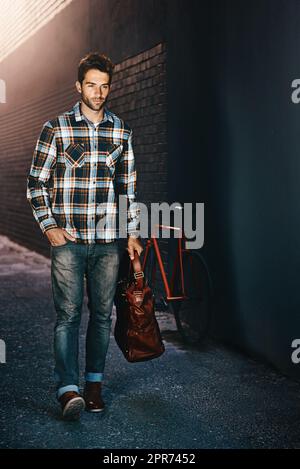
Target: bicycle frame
{"x": 178, "y": 262}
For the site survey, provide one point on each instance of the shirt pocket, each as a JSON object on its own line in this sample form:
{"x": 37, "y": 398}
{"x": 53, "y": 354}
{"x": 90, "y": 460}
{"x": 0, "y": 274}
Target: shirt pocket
{"x": 75, "y": 155}
{"x": 112, "y": 156}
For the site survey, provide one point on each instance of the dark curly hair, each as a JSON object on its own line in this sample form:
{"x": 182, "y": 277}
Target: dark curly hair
{"x": 95, "y": 60}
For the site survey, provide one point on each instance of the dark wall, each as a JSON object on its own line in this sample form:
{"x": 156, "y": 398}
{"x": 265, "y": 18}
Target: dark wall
{"x": 125, "y": 27}
{"x": 234, "y": 130}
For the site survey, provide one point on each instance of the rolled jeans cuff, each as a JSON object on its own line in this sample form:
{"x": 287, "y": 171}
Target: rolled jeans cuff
{"x": 93, "y": 377}
{"x": 69, "y": 387}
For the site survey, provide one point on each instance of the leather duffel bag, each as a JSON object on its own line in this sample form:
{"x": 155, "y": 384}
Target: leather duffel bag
{"x": 136, "y": 329}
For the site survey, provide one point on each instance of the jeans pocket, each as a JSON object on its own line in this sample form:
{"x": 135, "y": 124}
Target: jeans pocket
{"x": 68, "y": 241}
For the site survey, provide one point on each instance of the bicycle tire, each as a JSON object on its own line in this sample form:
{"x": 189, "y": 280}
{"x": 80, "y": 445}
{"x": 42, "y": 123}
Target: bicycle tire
{"x": 193, "y": 314}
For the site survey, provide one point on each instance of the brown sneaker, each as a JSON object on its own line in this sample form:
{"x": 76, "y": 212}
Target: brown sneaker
{"x": 92, "y": 397}
{"x": 72, "y": 404}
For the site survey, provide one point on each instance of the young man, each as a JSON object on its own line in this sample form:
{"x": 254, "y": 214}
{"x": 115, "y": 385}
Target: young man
{"x": 82, "y": 163}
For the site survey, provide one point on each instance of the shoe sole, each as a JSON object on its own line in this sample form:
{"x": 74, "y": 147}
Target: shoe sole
{"x": 73, "y": 408}
{"x": 94, "y": 410}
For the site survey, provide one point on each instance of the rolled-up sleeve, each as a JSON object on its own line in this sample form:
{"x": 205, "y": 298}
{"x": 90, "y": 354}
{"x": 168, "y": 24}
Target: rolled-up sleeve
{"x": 42, "y": 167}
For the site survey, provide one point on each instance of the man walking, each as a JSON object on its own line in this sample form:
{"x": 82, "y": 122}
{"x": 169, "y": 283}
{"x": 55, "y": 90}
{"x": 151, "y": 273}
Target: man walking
{"x": 82, "y": 163}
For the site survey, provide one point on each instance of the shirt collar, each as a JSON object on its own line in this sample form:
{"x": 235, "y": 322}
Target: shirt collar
{"x": 79, "y": 115}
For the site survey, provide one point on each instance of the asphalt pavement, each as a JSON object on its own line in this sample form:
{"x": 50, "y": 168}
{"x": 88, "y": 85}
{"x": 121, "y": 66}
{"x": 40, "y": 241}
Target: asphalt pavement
{"x": 207, "y": 397}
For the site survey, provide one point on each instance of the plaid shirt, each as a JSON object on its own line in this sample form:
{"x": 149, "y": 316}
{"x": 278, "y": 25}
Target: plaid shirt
{"x": 78, "y": 171}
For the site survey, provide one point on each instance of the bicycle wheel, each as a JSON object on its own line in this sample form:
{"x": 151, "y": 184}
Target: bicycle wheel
{"x": 192, "y": 315}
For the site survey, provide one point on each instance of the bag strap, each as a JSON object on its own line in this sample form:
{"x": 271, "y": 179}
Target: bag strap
{"x": 138, "y": 273}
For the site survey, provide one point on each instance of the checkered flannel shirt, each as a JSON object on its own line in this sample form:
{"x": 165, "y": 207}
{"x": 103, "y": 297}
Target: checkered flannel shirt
{"x": 78, "y": 172}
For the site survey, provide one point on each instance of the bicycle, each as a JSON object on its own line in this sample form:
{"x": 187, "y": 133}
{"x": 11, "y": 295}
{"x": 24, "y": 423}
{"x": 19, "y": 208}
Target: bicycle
{"x": 188, "y": 294}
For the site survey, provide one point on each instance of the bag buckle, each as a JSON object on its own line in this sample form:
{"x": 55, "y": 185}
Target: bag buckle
{"x": 138, "y": 274}
{"x": 137, "y": 292}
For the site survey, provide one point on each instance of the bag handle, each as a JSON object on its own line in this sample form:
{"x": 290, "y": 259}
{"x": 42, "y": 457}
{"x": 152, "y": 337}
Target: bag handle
{"x": 138, "y": 273}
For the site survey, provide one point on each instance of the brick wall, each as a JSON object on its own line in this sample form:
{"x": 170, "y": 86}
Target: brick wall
{"x": 139, "y": 96}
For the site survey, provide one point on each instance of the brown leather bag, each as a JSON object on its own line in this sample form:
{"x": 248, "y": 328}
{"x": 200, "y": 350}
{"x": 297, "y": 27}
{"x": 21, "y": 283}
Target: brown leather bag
{"x": 136, "y": 330}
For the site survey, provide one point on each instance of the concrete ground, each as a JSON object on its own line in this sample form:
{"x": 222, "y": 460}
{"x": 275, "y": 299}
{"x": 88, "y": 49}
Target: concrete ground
{"x": 210, "y": 397}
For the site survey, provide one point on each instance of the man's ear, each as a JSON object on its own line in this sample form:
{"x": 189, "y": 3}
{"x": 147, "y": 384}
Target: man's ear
{"x": 78, "y": 86}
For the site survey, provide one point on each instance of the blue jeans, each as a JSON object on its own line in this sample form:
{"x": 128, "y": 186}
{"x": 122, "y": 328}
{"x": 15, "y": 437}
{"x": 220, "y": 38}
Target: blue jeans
{"x": 70, "y": 263}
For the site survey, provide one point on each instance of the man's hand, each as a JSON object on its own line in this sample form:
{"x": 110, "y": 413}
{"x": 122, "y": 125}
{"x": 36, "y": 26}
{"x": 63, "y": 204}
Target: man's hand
{"x": 57, "y": 236}
{"x": 134, "y": 244}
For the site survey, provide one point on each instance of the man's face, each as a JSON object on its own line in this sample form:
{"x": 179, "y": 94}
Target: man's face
{"x": 94, "y": 89}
